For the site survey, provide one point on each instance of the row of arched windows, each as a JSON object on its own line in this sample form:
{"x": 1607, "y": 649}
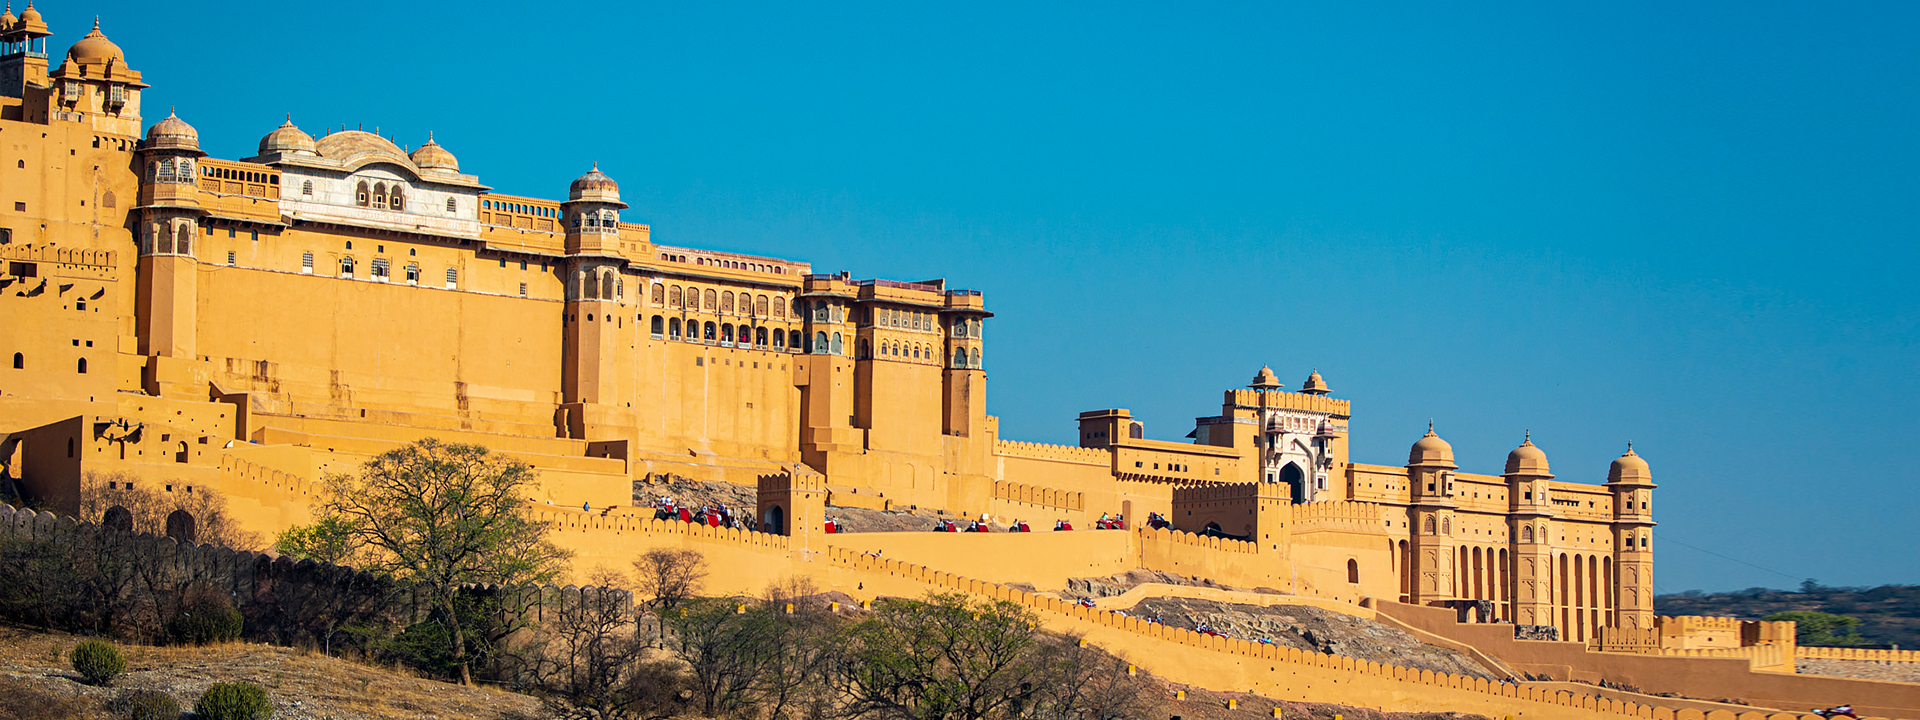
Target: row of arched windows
{"x": 380, "y": 196}
{"x": 601, "y": 284}
{"x": 725, "y": 334}
{"x": 170, "y": 170}
{"x": 715, "y": 301}
{"x": 173, "y": 237}
{"x": 904, "y": 319}
{"x": 20, "y": 362}
{"x": 597, "y": 221}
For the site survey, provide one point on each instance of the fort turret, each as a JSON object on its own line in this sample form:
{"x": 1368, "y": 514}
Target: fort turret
{"x": 1530, "y": 513}
{"x": 1431, "y": 509}
{"x": 168, "y": 228}
{"x": 596, "y": 290}
{"x": 1631, "y": 481}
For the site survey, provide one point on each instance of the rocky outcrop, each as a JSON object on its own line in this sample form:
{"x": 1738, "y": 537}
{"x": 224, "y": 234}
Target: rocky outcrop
{"x": 1310, "y": 628}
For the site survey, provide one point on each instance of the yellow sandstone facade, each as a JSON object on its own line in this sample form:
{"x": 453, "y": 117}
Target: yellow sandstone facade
{"x": 248, "y": 325}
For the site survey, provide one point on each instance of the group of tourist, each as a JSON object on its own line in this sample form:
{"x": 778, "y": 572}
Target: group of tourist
{"x": 715, "y": 515}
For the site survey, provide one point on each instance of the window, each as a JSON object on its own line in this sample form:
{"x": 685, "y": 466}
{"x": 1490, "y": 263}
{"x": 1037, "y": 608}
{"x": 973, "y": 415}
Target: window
{"x": 360, "y": 196}
{"x": 760, "y": 306}
{"x": 523, "y": 289}
{"x": 346, "y": 267}
{"x": 453, "y": 278}
{"x": 673, "y": 329}
{"x": 83, "y": 366}
{"x": 452, "y": 206}
{"x": 413, "y": 274}
{"x": 108, "y": 200}
{"x": 380, "y": 269}
{"x": 708, "y": 335}
{"x": 673, "y": 297}
{"x": 306, "y": 263}
{"x": 306, "y": 187}
{"x": 19, "y": 361}
{"x": 659, "y": 325}
{"x": 659, "y": 294}
{"x": 379, "y": 196}
{"x": 183, "y": 239}
{"x": 820, "y": 342}
{"x": 230, "y": 257}
{"x": 712, "y": 299}
{"x": 779, "y": 307}
{"x": 726, "y": 302}
{"x": 397, "y": 201}
{"x": 779, "y": 340}
{"x": 726, "y": 333}
{"x": 837, "y": 349}
{"x": 760, "y": 337}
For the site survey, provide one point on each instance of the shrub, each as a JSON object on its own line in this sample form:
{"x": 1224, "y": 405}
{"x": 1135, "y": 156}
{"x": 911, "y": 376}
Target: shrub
{"x": 145, "y": 705}
{"x": 98, "y": 661}
{"x": 234, "y": 701}
{"x": 205, "y": 616}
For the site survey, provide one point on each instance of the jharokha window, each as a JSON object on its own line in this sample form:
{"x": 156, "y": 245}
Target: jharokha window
{"x": 360, "y": 196}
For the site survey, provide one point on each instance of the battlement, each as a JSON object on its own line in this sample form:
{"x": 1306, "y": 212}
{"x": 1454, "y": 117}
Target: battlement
{"x": 63, "y": 258}
{"x": 1036, "y": 495}
{"x": 1289, "y": 401}
{"x": 789, "y": 481}
{"x": 1859, "y": 654}
{"x": 1059, "y": 453}
{"x": 1350, "y": 515}
{"x": 1232, "y": 491}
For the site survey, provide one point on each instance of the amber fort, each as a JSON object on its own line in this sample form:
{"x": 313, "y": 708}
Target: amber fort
{"x": 246, "y": 326}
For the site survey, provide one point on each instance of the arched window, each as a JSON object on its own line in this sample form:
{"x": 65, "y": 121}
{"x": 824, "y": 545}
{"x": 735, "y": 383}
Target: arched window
{"x": 794, "y": 341}
{"x": 183, "y": 239}
{"x": 820, "y": 343}
{"x": 360, "y": 196}
{"x": 712, "y": 299}
{"x": 1526, "y": 533}
{"x": 960, "y": 358}
{"x": 760, "y": 337}
{"x": 1353, "y": 570}
{"x": 1446, "y": 526}
{"x": 726, "y": 332}
{"x": 83, "y": 366}
{"x": 779, "y": 340}
{"x": 862, "y": 352}
{"x": 108, "y": 200}
{"x": 659, "y": 326}
{"x": 166, "y": 170}
{"x": 306, "y": 188}
{"x": 379, "y": 196}
{"x": 1427, "y": 526}
{"x": 760, "y": 306}
{"x": 673, "y": 296}
{"x": 659, "y": 294}
{"x": 708, "y": 335}
{"x": 397, "y": 200}
{"x": 19, "y": 361}
{"x": 837, "y": 349}
{"x": 779, "y": 307}
{"x": 673, "y": 329}
{"x": 726, "y": 302}
{"x": 346, "y": 267}
{"x": 609, "y": 288}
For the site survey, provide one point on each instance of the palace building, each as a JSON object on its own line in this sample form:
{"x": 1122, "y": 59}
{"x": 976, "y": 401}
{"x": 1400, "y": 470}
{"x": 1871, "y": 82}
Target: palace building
{"x": 249, "y": 325}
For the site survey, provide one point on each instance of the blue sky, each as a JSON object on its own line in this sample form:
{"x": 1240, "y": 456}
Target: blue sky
{"x": 1692, "y": 227}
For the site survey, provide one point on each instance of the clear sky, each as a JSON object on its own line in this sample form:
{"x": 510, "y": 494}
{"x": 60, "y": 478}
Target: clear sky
{"x": 1691, "y": 226}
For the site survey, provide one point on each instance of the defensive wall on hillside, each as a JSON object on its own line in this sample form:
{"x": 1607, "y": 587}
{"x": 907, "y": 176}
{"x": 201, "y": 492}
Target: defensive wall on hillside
{"x": 1699, "y": 673}
{"x": 1235, "y": 665}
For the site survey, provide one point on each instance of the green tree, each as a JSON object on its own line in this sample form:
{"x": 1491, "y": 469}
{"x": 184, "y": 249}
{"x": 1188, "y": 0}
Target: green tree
{"x": 1820, "y": 629}
{"x": 947, "y": 658}
{"x": 443, "y": 515}
{"x": 327, "y": 540}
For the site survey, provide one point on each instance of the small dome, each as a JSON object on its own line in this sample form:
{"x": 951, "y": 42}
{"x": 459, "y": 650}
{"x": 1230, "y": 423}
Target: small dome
{"x": 595, "y": 186}
{"x": 1528, "y": 459}
{"x": 172, "y": 133}
{"x": 30, "y": 16}
{"x": 1265, "y": 380}
{"x": 94, "y": 49}
{"x": 1629, "y": 467}
{"x": 1430, "y": 450}
{"x": 287, "y": 139}
{"x": 7, "y": 19}
{"x": 433, "y": 157}
{"x": 1314, "y": 385}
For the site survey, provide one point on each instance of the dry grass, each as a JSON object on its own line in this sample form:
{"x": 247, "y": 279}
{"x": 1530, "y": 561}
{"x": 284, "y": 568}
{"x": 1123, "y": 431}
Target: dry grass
{"x": 306, "y": 686}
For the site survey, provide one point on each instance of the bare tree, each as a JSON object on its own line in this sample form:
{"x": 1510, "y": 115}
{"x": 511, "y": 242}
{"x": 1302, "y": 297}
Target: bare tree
{"x": 150, "y": 502}
{"x": 583, "y": 661}
{"x": 1090, "y": 684}
{"x": 946, "y": 658}
{"x": 443, "y": 515}
{"x": 670, "y": 576}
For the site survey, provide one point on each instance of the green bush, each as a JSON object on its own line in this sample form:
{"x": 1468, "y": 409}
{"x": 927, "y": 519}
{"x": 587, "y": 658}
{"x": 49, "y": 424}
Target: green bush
{"x": 205, "y": 616}
{"x": 234, "y": 701}
{"x": 98, "y": 661}
{"x": 145, "y": 705}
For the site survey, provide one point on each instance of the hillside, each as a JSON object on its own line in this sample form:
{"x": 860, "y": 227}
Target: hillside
{"x": 1889, "y": 614}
